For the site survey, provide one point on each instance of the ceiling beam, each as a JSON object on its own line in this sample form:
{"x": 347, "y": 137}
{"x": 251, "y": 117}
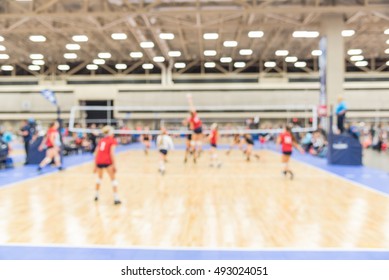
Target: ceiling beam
{"x": 45, "y": 6}
{"x": 281, "y": 10}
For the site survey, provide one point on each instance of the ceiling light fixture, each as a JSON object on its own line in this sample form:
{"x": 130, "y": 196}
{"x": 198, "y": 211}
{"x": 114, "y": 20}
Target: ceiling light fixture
{"x": 246, "y": 52}
{"x": 210, "y": 36}
{"x": 348, "y": 33}
{"x": 354, "y": 52}
{"x": 136, "y": 54}
{"x": 158, "y": 59}
{"x": 7, "y": 68}
{"x": 63, "y": 67}
{"x": 80, "y": 38}
{"x": 210, "y": 52}
{"x": 226, "y": 59}
{"x": 239, "y": 64}
{"x": 92, "y": 67}
{"x": 37, "y": 38}
{"x": 147, "y": 45}
{"x": 282, "y": 53}
{"x": 230, "y": 44}
{"x": 300, "y": 64}
{"x": 179, "y": 65}
{"x": 209, "y": 64}
{"x": 255, "y": 34}
{"x": 291, "y": 59}
{"x": 316, "y": 53}
{"x": 305, "y": 34}
{"x": 270, "y": 64}
{"x": 148, "y": 66}
{"x": 174, "y": 53}
{"x": 119, "y": 36}
{"x": 73, "y": 47}
{"x": 166, "y": 36}
{"x": 121, "y": 66}
{"x": 104, "y": 55}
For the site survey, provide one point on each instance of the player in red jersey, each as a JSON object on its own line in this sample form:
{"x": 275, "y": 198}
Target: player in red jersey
{"x": 53, "y": 144}
{"x": 196, "y": 126}
{"x": 105, "y": 160}
{"x": 288, "y": 141}
{"x": 213, "y": 139}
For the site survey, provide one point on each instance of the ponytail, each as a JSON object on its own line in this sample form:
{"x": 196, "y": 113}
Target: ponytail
{"x": 289, "y": 129}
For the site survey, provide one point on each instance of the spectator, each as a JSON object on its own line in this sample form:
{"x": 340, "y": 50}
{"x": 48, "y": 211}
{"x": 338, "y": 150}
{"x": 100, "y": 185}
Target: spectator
{"x": 5, "y": 148}
{"x": 27, "y": 131}
{"x": 306, "y": 142}
{"x": 378, "y": 134}
{"x": 92, "y": 136}
{"x": 353, "y": 130}
{"x": 319, "y": 147}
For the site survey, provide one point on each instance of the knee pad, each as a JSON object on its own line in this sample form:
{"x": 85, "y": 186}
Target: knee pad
{"x": 98, "y": 181}
{"x": 115, "y": 183}
{"x": 199, "y": 143}
{"x": 192, "y": 143}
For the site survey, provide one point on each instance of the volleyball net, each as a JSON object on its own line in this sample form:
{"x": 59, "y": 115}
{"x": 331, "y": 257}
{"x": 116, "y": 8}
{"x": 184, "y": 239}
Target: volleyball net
{"x": 250, "y": 119}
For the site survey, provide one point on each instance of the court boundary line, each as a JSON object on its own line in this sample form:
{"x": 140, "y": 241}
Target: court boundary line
{"x": 184, "y": 248}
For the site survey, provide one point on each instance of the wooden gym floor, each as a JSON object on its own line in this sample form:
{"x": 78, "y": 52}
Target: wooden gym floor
{"x": 241, "y": 205}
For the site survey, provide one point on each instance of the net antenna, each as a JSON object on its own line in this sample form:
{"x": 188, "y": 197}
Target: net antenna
{"x": 171, "y": 117}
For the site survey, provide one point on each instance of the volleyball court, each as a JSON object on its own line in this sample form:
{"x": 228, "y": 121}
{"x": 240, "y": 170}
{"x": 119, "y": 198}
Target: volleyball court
{"x": 193, "y": 177}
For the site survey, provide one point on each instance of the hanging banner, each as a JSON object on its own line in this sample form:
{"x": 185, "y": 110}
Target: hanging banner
{"x": 323, "y": 78}
{"x": 50, "y": 96}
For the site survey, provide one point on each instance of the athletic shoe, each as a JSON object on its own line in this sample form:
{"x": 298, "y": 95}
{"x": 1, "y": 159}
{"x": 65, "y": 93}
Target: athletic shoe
{"x": 291, "y": 175}
{"x": 116, "y": 202}
{"x": 284, "y": 173}
{"x": 219, "y": 165}
{"x": 39, "y": 170}
{"x": 257, "y": 157}
{"x": 61, "y": 168}
{"x": 96, "y": 198}
{"x": 185, "y": 160}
